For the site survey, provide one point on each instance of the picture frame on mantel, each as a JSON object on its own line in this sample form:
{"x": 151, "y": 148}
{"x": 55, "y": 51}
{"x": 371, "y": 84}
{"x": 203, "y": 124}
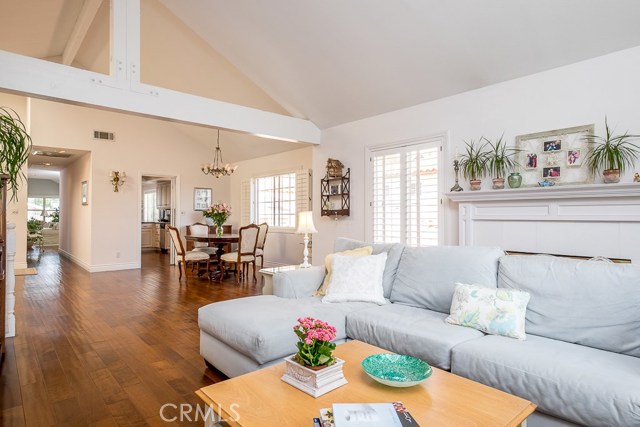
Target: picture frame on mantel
{"x": 556, "y": 156}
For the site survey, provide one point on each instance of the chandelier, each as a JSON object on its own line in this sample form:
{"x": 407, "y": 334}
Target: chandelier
{"x": 217, "y": 168}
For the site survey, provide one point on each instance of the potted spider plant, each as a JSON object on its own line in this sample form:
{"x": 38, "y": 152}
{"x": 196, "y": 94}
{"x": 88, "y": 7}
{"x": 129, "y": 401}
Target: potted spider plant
{"x": 15, "y": 146}
{"x": 499, "y": 161}
{"x": 473, "y": 163}
{"x": 612, "y": 153}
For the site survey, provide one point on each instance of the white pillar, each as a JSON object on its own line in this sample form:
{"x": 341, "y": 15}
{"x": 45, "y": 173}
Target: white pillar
{"x": 10, "y": 282}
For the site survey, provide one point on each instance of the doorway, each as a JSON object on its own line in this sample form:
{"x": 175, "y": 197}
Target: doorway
{"x": 158, "y": 199}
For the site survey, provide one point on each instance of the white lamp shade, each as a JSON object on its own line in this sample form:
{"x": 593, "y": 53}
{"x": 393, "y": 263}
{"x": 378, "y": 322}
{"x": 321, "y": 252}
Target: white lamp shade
{"x": 305, "y": 223}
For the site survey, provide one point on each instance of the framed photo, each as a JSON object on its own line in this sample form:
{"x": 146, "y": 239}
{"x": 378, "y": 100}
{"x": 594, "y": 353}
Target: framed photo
{"x": 334, "y": 189}
{"x": 555, "y": 155}
{"x": 551, "y": 172}
{"x": 531, "y": 161}
{"x": 574, "y": 157}
{"x": 202, "y": 198}
{"x": 553, "y": 145}
{"x": 84, "y": 192}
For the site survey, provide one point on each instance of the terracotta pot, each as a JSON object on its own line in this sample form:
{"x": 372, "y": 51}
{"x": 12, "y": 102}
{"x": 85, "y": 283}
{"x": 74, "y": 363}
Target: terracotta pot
{"x": 611, "y": 176}
{"x": 475, "y": 184}
{"x": 498, "y": 183}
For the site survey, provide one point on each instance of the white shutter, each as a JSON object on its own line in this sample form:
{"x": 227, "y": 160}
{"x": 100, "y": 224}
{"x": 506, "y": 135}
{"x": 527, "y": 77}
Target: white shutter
{"x": 405, "y": 197}
{"x": 246, "y": 205}
{"x": 303, "y": 190}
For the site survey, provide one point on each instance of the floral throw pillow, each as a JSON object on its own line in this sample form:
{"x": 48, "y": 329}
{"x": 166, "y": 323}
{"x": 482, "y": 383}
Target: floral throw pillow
{"x": 495, "y": 311}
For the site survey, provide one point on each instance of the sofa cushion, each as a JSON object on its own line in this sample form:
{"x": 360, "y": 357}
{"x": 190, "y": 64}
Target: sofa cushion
{"x": 582, "y": 384}
{"x": 592, "y": 303}
{"x": 426, "y": 276}
{"x": 356, "y": 279}
{"x": 358, "y": 252}
{"x": 393, "y": 250}
{"x": 261, "y": 327}
{"x": 408, "y": 330}
{"x": 490, "y": 310}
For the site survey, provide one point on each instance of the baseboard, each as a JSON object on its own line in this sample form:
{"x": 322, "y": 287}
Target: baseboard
{"x": 100, "y": 267}
{"x": 74, "y": 259}
{"x": 114, "y": 267}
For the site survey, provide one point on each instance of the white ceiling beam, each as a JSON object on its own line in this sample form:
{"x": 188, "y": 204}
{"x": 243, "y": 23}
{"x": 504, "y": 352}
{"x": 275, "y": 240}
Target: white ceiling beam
{"x": 79, "y": 32}
{"x": 47, "y": 80}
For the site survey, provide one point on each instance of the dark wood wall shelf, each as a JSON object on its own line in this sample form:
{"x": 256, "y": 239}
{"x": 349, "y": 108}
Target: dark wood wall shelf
{"x": 335, "y": 195}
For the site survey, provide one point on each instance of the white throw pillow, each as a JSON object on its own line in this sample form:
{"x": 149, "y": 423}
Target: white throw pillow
{"x": 495, "y": 311}
{"x": 356, "y": 279}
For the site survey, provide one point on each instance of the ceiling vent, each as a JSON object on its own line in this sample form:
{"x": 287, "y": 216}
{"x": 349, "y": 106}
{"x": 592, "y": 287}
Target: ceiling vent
{"x": 51, "y": 154}
{"x": 107, "y": 136}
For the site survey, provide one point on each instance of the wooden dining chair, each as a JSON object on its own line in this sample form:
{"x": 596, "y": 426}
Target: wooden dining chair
{"x": 262, "y": 237}
{"x": 186, "y": 257}
{"x": 202, "y": 230}
{"x": 246, "y": 253}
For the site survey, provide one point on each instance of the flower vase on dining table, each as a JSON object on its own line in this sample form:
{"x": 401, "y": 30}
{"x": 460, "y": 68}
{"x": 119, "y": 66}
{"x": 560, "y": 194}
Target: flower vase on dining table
{"x": 219, "y": 231}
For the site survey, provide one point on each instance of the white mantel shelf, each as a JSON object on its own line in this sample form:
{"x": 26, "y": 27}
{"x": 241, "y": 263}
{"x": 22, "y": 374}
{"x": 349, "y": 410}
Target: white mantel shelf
{"x": 623, "y": 190}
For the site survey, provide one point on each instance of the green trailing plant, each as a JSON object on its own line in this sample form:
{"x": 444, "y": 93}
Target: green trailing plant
{"x": 55, "y": 216}
{"x": 612, "y": 152}
{"x": 473, "y": 162}
{"x": 15, "y": 149}
{"x": 500, "y": 159}
{"x": 34, "y": 225}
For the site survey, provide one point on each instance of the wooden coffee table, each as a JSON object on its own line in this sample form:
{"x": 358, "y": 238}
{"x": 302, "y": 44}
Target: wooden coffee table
{"x": 261, "y": 399}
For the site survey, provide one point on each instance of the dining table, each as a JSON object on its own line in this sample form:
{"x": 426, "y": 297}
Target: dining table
{"x": 217, "y": 241}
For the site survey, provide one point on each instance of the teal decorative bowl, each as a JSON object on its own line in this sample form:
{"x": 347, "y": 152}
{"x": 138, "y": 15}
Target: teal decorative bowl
{"x": 396, "y": 370}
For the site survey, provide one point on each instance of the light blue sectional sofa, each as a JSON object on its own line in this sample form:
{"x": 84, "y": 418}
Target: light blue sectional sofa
{"x": 580, "y": 362}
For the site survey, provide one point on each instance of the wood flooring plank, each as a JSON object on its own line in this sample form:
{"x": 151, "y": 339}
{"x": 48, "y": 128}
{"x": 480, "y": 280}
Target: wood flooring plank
{"x": 107, "y": 349}
{"x": 12, "y": 417}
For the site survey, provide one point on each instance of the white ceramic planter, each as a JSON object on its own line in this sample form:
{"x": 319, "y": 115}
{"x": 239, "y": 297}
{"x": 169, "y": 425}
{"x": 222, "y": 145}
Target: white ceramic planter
{"x": 314, "y": 383}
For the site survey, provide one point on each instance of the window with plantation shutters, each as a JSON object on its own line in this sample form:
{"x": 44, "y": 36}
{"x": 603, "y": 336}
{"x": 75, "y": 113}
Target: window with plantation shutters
{"x": 276, "y": 199}
{"x": 405, "y": 198}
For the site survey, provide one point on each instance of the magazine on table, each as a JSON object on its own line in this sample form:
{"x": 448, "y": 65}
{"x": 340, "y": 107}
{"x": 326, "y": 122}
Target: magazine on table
{"x": 393, "y": 414}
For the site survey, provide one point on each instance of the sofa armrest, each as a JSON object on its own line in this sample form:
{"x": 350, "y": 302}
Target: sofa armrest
{"x": 299, "y": 283}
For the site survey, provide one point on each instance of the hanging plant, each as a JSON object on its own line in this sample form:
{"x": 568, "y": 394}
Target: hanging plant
{"x": 15, "y": 149}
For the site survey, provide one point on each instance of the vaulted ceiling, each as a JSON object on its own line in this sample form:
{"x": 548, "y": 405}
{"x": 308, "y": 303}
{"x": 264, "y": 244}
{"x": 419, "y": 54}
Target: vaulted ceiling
{"x": 336, "y": 61}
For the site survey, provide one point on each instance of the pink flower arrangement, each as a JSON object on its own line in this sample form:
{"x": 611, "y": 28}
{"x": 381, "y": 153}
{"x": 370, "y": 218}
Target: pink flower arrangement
{"x": 218, "y": 212}
{"x": 314, "y": 342}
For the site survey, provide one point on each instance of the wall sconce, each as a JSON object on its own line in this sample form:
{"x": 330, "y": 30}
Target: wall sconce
{"x": 117, "y": 179}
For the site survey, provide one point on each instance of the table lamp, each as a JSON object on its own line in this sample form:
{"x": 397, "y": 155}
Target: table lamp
{"x": 305, "y": 226}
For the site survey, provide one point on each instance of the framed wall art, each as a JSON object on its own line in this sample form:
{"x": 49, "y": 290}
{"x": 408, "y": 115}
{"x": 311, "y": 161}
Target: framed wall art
{"x": 202, "y": 198}
{"x": 556, "y": 156}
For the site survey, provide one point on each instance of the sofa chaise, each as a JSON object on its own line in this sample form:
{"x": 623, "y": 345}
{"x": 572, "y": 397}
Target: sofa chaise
{"x": 580, "y": 361}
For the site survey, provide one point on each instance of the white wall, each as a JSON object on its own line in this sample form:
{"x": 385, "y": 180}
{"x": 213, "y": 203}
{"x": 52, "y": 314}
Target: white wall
{"x": 281, "y": 248}
{"x": 573, "y": 95}
{"x": 143, "y": 146}
{"x": 17, "y": 209}
{"x": 75, "y": 218}
{"x": 43, "y": 188}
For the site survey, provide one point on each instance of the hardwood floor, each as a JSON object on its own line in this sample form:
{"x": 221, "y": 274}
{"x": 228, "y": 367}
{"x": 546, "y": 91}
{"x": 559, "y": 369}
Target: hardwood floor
{"x": 107, "y": 349}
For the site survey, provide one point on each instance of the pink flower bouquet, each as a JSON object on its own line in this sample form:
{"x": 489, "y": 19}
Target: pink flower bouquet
{"x": 218, "y": 212}
{"x": 314, "y": 342}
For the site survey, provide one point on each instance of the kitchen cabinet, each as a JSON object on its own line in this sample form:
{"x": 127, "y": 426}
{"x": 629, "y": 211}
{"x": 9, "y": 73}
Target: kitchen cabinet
{"x": 163, "y": 195}
{"x": 146, "y": 238}
{"x": 155, "y": 233}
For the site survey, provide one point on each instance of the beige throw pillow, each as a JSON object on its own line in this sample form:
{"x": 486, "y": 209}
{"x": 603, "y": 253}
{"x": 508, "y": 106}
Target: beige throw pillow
{"x": 358, "y": 252}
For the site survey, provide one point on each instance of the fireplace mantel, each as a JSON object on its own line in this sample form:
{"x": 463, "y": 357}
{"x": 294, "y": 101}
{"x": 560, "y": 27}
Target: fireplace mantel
{"x": 625, "y": 190}
{"x": 585, "y": 220}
